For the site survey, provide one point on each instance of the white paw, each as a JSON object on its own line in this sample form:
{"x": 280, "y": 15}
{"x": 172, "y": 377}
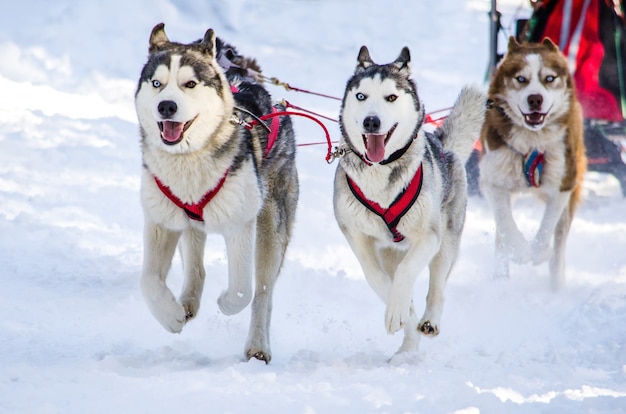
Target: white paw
{"x": 171, "y": 315}
{"x": 163, "y": 305}
{"x": 519, "y": 249}
{"x": 397, "y": 315}
{"x": 404, "y": 358}
{"x": 540, "y": 253}
{"x": 232, "y": 304}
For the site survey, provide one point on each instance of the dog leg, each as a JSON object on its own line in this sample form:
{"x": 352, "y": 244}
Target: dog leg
{"x": 510, "y": 242}
{"x": 364, "y": 248}
{"x": 408, "y": 351}
{"x": 557, "y": 261}
{"x": 240, "y": 251}
{"x": 192, "y": 253}
{"x": 398, "y": 312}
{"x": 274, "y": 226}
{"x": 159, "y": 247}
{"x": 540, "y": 246}
{"x": 440, "y": 268}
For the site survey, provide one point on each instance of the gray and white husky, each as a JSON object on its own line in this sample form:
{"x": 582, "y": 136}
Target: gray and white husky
{"x": 400, "y": 192}
{"x": 204, "y": 172}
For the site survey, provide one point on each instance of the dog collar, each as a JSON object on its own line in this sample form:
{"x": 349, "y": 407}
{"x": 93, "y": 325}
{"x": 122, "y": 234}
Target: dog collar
{"x": 532, "y": 165}
{"x": 393, "y": 157}
{"x": 400, "y": 206}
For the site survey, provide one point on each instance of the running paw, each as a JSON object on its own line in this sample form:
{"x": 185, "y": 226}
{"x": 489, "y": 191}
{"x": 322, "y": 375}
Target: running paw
{"x": 259, "y": 349}
{"x": 171, "y": 317}
{"x": 232, "y": 304}
{"x": 427, "y": 328}
{"x": 396, "y": 316}
{"x": 540, "y": 252}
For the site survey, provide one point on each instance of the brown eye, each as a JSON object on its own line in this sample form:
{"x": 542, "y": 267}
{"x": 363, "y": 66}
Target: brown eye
{"x": 191, "y": 84}
{"x": 391, "y": 98}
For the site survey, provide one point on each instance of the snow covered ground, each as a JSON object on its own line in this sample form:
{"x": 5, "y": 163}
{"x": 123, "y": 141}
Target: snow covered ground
{"x": 75, "y": 334}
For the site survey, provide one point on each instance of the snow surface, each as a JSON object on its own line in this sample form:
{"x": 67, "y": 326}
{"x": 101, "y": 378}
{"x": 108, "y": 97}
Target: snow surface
{"x": 75, "y": 334}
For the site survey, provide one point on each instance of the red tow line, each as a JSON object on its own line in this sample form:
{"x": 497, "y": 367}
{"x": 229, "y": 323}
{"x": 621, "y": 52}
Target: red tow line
{"x": 276, "y": 113}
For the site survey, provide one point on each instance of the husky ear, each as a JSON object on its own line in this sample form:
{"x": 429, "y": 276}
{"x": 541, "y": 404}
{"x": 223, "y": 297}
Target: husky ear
{"x": 158, "y": 38}
{"x": 403, "y": 60}
{"x": 364, "y": 59}
{"x": 513, "y": 45}
{"x": 208, "y": 43}
{"x": 550, "y": 44}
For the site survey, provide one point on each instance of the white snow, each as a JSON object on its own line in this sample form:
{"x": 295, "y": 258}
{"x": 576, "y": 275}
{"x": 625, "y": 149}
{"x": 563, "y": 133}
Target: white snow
{"x": 75, "y": 334}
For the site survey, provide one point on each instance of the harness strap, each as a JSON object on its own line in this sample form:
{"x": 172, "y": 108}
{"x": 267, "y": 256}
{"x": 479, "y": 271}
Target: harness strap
{"x": 274, "y": 129}
{"x": 193, "y": 211}
{"x": 400, "y": 206}
{"x": 533, "y": 167}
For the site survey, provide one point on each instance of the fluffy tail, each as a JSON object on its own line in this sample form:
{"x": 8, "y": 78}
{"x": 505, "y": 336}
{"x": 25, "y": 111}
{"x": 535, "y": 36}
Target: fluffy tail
{"x": 462, "y": 126}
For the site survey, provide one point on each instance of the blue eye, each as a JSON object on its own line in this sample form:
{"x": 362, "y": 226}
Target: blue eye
{"x": 550, "y": 78}
{"x": 156, "y": 83}
{"x": 360, "y": 96}
{"x": 521, "y": 79}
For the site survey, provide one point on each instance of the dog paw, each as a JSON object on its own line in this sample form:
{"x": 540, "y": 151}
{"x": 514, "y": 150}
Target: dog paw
{"x": 172, "y": 319}
{"x": 190, "y": 312}
{"x": 540, "y": 253}
{"x": 265, "y": 356}
{"x": 191, "y": 306}
{"x": 404, "y": 358}
{"x": 427, "y": 328}
{"x": 258, "y": 349}
{"x": 232, "y": 304}
{"x": 396, "y": 317}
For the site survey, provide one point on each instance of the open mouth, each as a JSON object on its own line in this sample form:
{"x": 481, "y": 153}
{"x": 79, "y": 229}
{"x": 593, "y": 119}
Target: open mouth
{"x": 535, "y": 119}
{"x": 172, "y": 132}
{"x": 375, "y": 145}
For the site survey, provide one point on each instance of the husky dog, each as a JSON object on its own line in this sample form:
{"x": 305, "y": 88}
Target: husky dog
{"x": 204, "y": 173}
{"x": 400, "y": 193}
{"x": 532, "y": 140}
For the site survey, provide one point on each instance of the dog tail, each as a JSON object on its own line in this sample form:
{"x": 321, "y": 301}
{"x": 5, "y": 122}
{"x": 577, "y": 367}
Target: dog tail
{"x": 462, "y": 127}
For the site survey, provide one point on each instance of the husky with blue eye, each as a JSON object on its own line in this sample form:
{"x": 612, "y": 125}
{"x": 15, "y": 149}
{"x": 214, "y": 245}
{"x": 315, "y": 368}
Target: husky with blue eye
{"x": 400, "y": 192}
{"x": 206, "y": 170}
{"x": 532, "y": 141}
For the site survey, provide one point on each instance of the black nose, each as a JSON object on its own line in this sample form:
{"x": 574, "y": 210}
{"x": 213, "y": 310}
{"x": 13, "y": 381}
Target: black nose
{"x": 371, "y": 124}
{"x": 167, "y": 108}
{"x": 534, "y": 102}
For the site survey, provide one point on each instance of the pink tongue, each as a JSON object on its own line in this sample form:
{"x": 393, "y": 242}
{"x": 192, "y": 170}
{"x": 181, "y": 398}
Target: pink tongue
{"x": 172, "y": 130}
{"x": 375, "y": 147}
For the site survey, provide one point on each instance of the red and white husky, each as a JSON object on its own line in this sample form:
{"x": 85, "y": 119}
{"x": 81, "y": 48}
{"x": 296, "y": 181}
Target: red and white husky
{"x": 533, "y": 141}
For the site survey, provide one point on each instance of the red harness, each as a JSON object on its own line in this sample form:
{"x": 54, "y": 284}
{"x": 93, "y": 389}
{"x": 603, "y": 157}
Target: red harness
{"x": 401, "y": 205}
{"x": 195, "y": 211}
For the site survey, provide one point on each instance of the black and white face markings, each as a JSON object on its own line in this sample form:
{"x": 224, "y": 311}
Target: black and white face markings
{"x": 381, "y": 110}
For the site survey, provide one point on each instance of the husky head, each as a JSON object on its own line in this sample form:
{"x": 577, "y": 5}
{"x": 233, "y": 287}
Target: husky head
{"x": 182, "y": 97}
{"x": 532, "y": 84}
{"x": 381, "y": 111}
